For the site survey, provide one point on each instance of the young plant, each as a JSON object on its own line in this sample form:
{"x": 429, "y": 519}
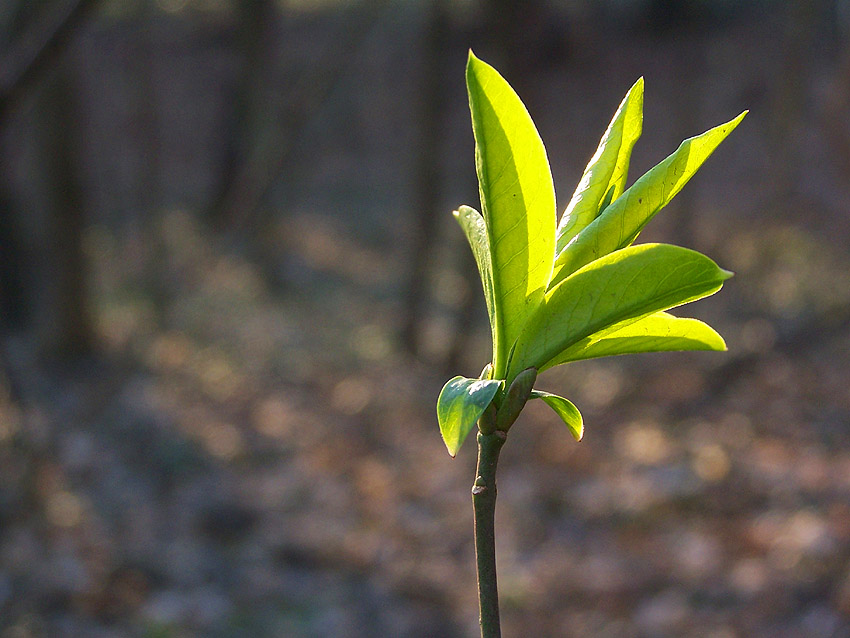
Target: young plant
{"x": 557, "y": 293}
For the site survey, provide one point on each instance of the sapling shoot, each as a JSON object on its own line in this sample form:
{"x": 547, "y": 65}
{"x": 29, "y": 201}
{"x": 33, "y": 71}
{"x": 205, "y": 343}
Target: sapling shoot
{"x": 563, "y": 291}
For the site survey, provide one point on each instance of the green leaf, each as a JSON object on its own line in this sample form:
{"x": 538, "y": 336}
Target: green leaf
{"x": 517, "y": 200}
{"x": 565, "y": 409}
{"x": 622, "y": 221}
{"x": 461, "y": 403}
{"x": 486, "y": 372}
{"x": 660, "y": 332}
{"x": 474, "y": 228}
{"x": 606, "y": 172}
{"x": 628, "y": 284}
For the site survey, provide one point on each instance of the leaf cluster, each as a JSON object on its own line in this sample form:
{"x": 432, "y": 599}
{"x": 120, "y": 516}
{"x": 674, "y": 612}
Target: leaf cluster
{"x": 576, "y": 288}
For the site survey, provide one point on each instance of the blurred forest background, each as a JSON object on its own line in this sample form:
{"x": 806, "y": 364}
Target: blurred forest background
{"x": 231, "y": 289}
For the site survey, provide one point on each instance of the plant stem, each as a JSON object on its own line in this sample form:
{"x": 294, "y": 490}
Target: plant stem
{"x": 484, "y": 505}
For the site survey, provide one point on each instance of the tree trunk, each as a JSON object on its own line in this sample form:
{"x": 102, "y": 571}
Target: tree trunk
{"x": 426, "y": 187}
{"x": 247, "y": 119}
{"x": 67, "y": 329}
{"x": 14, "y": 302}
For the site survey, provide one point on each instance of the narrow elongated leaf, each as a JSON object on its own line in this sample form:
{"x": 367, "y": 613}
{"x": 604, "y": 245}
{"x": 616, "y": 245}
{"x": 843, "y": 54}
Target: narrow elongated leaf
{"x": 622, "y": 221}
{"x": 606, "y": 172}
{"x": 628, "y": 284}
{"x": 474, "y": 228}
{"x": 461, "y": 403}
{"x": 517, "y": 200}
{"x": 659, "y": 332}
{"x": 565, "y": 409}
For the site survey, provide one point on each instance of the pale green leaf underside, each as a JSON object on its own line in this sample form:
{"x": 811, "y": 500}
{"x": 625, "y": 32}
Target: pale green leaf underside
{"x": 628, "y": 284}
{"x": 660, "y": 332}
{"x": 461, "y": 403}
{"x": 517, "y": 200}
{"x": 622, "y": 221}
{"x": 565, "y": 409}
{"x": 473, "y": 226}
{"x": 607, "y": 171}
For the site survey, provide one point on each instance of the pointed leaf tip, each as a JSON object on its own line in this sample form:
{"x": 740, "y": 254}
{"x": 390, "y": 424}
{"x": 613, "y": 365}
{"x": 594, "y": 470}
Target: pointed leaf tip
{"x": 621, "y": 222}
{"x": 626, "y": 285}
{"x": 565, "y": 409}
{"x": 517, "y": 202}
{"x": 461, "y": 403}
{"x": 659, "y": 332}
{"x": 604, "y": 178}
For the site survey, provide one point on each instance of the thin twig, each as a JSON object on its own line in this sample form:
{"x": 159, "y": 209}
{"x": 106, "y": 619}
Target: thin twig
{"x": 484, "y": 505}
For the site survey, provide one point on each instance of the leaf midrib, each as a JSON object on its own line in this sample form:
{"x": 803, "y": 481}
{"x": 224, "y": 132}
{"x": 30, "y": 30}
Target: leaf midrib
{"x": 660, "y": 304}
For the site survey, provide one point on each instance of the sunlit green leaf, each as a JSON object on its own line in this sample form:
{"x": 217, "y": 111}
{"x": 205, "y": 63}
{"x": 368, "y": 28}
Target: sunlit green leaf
{"x": 517, "y": 200}
{"x": 630, "y": 283}
{"x": 565, "y": 409}
{"x": 606, "y": 172}
{"x": 473, "y": 226}
{"x": 659, "y": 332}
{"x": 486, "y": 372}
{"x": 622, "y": 221}
{"x": 461, "y": 403}
{"x": 580, "y": 290}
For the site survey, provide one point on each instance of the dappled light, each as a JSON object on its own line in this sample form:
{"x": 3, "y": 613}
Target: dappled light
{"x": 643, "y": 443}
